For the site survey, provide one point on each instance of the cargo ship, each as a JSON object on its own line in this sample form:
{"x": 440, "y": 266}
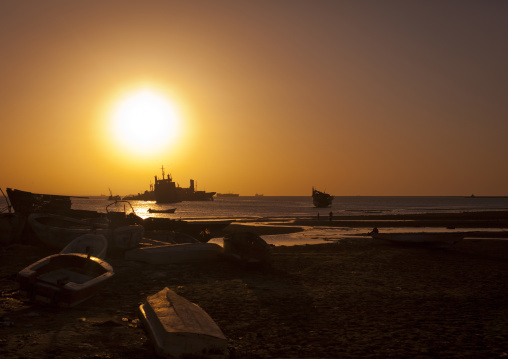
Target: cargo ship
{"x": 164, "y": 190}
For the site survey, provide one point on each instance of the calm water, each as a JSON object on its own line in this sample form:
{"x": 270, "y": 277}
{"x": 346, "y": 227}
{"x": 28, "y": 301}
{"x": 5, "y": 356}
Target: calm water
{"x": 289, "y": 207}
{"x": 270, "y": 206}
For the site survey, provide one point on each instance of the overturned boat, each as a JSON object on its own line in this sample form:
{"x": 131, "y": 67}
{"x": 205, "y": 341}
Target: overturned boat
{"x": 64, "y": 280}
{"x": 247, "y": 248}
{"x": 181, "y": 329}
{"x": 92, "y": 244}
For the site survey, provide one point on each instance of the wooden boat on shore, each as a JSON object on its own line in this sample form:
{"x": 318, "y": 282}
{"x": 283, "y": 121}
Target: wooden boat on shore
{"x": 431, "y": 239}
{"x": 321, "y": 199}
{"x": 93, "y": 244}
{"x": 179, "y": 328}
{"x": 57, "y": 231}
{"x": 64, "y": 280}
{"x": 25, "y": 203}
{"x": 169, "y": 210}
{"x": 247, "y": 248}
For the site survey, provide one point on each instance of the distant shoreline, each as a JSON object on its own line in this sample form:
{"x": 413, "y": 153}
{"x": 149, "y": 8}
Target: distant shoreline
{"x": 310, "y": 198}
{"x": 486, "y": 197}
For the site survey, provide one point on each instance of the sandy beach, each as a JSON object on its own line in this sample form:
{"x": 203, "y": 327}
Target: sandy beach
{"x": 351, "y": 298}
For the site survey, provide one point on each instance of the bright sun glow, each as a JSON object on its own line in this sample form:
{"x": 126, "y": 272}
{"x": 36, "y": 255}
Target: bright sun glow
{"x": 145, "y": 122}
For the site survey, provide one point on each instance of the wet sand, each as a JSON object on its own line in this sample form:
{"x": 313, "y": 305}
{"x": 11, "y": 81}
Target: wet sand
{"x": 354, "y": 298}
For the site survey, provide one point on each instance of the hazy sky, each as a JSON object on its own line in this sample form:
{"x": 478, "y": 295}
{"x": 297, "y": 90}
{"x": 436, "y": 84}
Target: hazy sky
{"x": 274, "y": 97}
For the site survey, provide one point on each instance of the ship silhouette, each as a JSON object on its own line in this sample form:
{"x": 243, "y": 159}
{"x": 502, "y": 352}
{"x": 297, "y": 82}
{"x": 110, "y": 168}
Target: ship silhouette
{"x": 165, "y": 190}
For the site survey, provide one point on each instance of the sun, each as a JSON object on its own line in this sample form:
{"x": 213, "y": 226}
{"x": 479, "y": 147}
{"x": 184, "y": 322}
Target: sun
{"x": 145, "y": 122}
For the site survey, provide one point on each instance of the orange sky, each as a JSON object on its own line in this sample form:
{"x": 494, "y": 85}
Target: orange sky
{"x": 274, "y": 97}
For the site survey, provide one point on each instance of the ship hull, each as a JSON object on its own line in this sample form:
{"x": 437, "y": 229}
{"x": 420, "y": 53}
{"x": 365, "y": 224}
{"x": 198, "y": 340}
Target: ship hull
{"x": 321, "y": 199}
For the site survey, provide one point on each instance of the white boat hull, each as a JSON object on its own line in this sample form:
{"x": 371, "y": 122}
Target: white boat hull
{"x": 95, "y": 245}
{"x": 64, "y": 280}
{"x": 179, "y": 328}
{"x": 125, "y": 237}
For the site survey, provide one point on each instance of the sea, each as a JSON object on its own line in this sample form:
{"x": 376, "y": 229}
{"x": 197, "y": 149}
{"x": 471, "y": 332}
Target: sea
{"x": 247, "y": 208}
{"x": 256, "y": 207}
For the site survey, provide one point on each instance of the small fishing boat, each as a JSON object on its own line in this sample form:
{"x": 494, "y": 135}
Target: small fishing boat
{"x": 169, "y": 210}
{"x": 92, "y": 244}
{"x": 64, "y": 280}
{"x": 113, "y": 198}
{"x": 175, "y": 253}
{"x": 179, "y": 328}
{"x": 431, "y": 239}
{"x": 25, "y": 203}
{"x": 321, "y": 199}
{"x": 247, "y": 248}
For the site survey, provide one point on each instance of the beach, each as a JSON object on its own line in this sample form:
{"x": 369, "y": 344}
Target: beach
{"x": 355, "y": 297}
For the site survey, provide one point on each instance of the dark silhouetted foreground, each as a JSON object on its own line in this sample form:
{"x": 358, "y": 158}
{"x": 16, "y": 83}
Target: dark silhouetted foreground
{"x": 356, "y": 298}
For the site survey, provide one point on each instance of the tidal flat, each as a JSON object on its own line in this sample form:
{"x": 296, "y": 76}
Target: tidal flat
{"x": 355, "y": 297}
